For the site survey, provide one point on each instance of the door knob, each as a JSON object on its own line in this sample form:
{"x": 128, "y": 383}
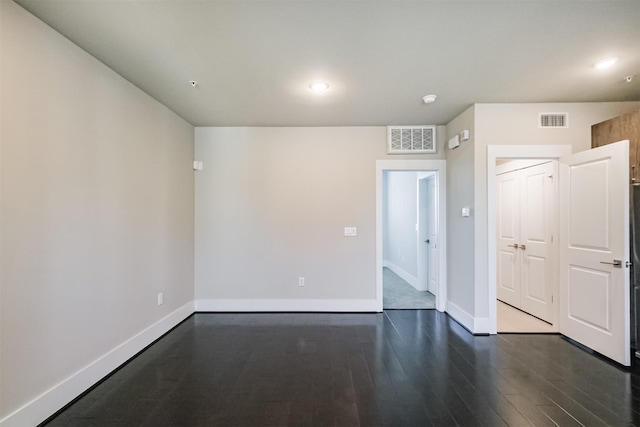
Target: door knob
{"x": 513, "y": 246}
{"x": 523, "y": 247}
{"x": 427, "y": 241}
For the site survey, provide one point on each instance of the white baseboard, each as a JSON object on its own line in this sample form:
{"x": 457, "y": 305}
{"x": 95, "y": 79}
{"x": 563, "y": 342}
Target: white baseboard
{"x": 409, "y": 278}
{"x": 286, "y": 305}
{"x": 461, "y": 316}
{"x": 475, "y": 325}
{"x": 52, "y": 400}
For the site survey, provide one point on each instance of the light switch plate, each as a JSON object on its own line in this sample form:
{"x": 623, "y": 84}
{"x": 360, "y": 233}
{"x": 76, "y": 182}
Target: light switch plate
{"x": 350, "y": 232}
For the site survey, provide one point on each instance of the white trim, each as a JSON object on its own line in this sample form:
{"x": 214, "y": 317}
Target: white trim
{"x": 440, "y": 169}
{"x": 495, "y": 152}
{"x": 481, "y": 325}
{"x": 519, "y": 164}
{"x": 286, "y": 305}
{"x": 460, "y": 316}
{"x": 52, "y": 400}
{"x": 409, "y": 278}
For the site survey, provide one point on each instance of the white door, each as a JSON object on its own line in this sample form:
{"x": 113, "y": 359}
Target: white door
{"x": 432, "y": 235}
{"x": 508, "y": 227}
{"x": 537, "y": 223}
{"x": 423, "y": 266}
{"x": 594, "y": 250}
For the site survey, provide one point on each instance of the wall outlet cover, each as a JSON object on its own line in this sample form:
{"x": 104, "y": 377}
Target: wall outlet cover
{"x": 350, "y": 231}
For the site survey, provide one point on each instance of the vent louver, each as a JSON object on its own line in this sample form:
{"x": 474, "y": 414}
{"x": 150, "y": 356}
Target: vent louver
{"x": 411, "y": 139}
{"x": 554, "y": 120}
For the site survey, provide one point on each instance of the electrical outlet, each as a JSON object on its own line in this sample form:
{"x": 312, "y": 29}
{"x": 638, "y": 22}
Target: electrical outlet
{"x": 300, "y": 281}
{"x": 160, "y": 298}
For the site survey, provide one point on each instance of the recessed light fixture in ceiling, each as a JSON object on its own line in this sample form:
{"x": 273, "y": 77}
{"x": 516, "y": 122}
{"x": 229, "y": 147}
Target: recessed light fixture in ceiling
{"x": 605, "y": 63}
{"x": 319, "y": 87}
{"x": 428, "y": 99}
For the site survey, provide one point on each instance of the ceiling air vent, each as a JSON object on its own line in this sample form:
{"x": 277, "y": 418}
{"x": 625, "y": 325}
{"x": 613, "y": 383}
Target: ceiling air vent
{"x": 554, "y": 120}
{"x": 411, "y": 139}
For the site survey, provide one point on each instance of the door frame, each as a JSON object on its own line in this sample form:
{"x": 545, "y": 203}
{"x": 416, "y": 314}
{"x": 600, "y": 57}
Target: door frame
{"x": 439, "y": 167}
{"x": 512, "y": 152}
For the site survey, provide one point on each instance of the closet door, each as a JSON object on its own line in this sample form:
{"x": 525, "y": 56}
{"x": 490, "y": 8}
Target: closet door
{"x": 537, "y": 203}
{"x": 508, "y": 227}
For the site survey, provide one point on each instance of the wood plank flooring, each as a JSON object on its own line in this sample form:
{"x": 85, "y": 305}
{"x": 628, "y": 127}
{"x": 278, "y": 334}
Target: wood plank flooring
{"x": 397, "y": 368}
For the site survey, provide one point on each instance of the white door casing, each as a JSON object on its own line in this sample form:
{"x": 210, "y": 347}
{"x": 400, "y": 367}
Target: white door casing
{"x": 594, "y": 230}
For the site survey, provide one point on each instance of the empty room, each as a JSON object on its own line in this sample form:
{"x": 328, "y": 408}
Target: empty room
{"x": 323, "y": 212}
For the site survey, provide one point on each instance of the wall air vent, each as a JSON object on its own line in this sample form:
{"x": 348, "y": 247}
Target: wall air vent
{"x": 411, "y": 139}
{"x": 554, "y": 120}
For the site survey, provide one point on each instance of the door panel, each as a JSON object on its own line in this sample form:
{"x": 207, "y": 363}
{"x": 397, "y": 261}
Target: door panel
{"x": 508, "y": 220}
{"x": 587, "y": 288}
{"x": 538, "y": 202}
{"x": 536, "y": 280}
{"x": 587, "y": 231}
{"x": 594, "y": 295}
{"x": 533, "y": 203}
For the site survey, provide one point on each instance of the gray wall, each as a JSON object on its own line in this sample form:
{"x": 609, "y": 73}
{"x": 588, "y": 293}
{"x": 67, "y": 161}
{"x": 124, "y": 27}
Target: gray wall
{"x": 271, "y": 206}
{"x": 96, "y": 216}
{"x": 460, "y": 193}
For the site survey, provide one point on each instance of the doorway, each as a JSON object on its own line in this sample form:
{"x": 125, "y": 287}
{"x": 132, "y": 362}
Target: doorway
{"x": 496, "y": 155}
{"x": 409, "y": 240}
{"x": 432, "y": 173}
{"x": 526, "y": 223}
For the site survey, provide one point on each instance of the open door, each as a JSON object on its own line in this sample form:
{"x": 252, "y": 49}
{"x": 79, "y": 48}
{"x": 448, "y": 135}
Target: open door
{"x": 432, "y": 235}
{"x": 594, "y": 250}
{"x": 428, "y": 235}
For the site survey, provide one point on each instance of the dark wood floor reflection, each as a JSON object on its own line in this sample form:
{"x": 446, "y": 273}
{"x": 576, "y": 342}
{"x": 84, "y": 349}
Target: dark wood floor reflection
{"x": 399, "y": 368}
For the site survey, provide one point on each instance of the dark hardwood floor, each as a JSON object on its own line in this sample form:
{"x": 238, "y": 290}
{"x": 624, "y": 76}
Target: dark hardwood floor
{"x": 398, "y": 368}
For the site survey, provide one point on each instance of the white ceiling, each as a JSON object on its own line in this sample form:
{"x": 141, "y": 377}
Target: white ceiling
{"x": 254, "y": 59}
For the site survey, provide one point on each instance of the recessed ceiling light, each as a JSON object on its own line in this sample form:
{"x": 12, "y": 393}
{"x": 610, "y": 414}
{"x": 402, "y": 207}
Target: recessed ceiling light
{"x": 428, "y": 99}
{"x": 319, "y": 87}
{"x": 605, "y": 63}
